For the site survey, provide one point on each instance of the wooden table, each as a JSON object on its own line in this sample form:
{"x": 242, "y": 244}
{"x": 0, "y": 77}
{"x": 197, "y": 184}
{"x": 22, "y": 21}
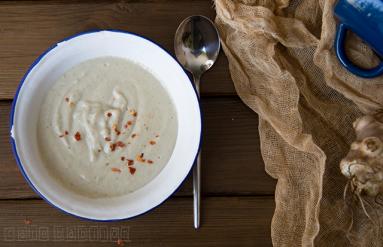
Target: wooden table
{"x": 238, "y": 200}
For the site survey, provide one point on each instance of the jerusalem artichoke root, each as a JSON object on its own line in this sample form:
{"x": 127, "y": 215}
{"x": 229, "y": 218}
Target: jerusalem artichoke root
{"x": 363, "y": 165}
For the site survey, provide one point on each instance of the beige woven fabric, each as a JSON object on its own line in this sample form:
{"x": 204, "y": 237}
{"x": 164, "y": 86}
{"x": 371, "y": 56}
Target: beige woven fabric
{"x": 284, "y": 67}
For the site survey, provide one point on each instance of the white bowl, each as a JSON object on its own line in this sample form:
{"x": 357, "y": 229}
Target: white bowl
{"x": 40, "y": 78}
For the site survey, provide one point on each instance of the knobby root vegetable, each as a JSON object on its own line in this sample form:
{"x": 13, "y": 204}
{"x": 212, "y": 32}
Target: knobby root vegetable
{"x": 363, "y": 165}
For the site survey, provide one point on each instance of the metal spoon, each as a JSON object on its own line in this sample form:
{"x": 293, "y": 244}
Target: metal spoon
{"x": 196, "y": 44}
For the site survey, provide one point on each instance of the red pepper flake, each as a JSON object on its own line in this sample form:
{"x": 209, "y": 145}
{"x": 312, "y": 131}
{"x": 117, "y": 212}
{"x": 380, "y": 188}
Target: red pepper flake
{"x": 113, "y": 146}
{"x": 77, "y": 136}
{"x": 122, "y": 158}
{"x": 128, "y": 124}
{"x": 99, "y": 150}
{"x": 152, "y": 142}
{"x": 107, "y": 139}
{"x": 140, "y": 158}
{"x": 66, "y": 99}
{"x": 157, "y": 136}
{"x": 133, "y": 113}
{"x": 115, "y": 169}
{"x": 114, "y": 127}
{"x": 109, "y": 114}
{"x": 27, "y": 221}
{"x": 134, "y": 135}
{"x": 120, "y": 242}
{"x": 120, "y": 144}
{"x": 65, "y": 134}
{"x": 130, "y": 162}
{"x": 132, "y": 170}
{"x": 150, "y": 161}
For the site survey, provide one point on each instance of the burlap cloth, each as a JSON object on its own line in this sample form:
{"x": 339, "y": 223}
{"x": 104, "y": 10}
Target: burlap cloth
{"x": 284, "y": 67}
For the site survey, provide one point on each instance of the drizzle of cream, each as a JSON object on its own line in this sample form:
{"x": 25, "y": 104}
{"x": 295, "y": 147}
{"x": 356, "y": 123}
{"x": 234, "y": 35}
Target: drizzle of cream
{"x": 95, "y": 121}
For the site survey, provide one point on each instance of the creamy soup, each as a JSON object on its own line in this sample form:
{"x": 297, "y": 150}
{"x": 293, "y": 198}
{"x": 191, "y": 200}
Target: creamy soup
{"x": 106, "y": 128}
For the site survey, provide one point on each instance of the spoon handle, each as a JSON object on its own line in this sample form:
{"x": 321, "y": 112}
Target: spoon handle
{"x": 197, "y": 176}
{"x": 197, "y": 191}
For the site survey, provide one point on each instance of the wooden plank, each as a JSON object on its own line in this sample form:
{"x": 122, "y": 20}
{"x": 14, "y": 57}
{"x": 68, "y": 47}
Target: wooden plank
{"x": 29, "y": 28}
{"x": 231, "y": 160}
{"x": 226, "y": 221}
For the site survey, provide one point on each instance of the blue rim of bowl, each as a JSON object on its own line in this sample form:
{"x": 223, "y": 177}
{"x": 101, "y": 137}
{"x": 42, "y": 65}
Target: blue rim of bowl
{"x": 11, "y": 120}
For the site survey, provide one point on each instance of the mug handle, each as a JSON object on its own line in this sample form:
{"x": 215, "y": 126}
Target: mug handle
{"x": 341, "y": 54}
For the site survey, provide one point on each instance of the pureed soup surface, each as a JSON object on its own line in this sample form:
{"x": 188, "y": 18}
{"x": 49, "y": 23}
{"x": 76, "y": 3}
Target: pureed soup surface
{"x": 106, "y": 128}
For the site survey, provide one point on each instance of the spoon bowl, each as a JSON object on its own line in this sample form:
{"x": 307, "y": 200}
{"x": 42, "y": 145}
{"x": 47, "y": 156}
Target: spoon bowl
{"x": 197, "y": 44}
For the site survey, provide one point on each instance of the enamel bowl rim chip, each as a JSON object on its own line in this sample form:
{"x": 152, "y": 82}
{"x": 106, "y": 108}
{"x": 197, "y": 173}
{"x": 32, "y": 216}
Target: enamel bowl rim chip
{"x": 42, "y": 74}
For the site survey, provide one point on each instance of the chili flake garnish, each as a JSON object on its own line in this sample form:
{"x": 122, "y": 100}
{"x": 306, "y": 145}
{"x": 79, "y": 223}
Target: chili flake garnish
{"x": 109, "y": 114}
{"x": 150, "y": 161}
{"x": 122, "y": 158}
{"x": 130, "y": 162}
{"x": 133, "y": 113}
{"x": 66, "y": 99}
{"x": 120, "y": 242}
{"x": 107, "y": 139}
{"x": 115, "y": 169}
{"x": 128, "y": 124}
{"x": 157, "y": 135}
{"x": 132, "y": 170}
{"x": 65, "y": 134}
{"x": 114, "y": 127}
{"x": 120, "y": 144}
{"x": 113, "y": 146}
{"x": 152, "y": 142}
{"x": 140, "y": 158}
{"x": 99, "y": 150}
{"x": 77, "y": 136}
{"x": 27, "y": 221}
{"x": 134, "y": 135}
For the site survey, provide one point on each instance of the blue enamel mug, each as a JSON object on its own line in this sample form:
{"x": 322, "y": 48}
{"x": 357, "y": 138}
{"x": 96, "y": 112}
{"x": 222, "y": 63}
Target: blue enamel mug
{"x": 364, "y": 18}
